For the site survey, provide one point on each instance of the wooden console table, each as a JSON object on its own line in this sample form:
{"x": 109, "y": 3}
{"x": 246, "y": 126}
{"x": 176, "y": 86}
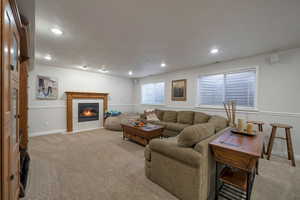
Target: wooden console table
{"x": 238, "y": 155}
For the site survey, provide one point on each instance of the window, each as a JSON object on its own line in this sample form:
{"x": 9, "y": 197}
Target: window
{"x": 213, "y": 90}
{"x": 153, "y": 93}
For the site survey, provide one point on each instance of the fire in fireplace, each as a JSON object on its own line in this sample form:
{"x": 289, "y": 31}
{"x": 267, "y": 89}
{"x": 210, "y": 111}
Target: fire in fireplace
{"x": 88, "y": 112}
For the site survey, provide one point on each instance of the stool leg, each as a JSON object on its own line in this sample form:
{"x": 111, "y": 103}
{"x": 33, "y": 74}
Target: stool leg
{"x": 287, "y": 144}
{"x": 263, "y": 151}
{"x": 260, "y": 128}
{"x": 290, "y": 146}
{"x": 271, "y": 141}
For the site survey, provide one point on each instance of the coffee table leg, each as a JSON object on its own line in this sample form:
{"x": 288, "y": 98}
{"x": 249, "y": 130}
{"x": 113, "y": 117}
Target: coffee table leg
{"x": 124, "y": 135}
{"x": 216, "y": 183}
{"x": 257, "y": 166}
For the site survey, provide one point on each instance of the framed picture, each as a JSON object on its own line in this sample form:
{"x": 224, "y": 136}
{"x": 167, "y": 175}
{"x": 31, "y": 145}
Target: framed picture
{"x": 179, "y": 90}
{"x": 47, "y": 88}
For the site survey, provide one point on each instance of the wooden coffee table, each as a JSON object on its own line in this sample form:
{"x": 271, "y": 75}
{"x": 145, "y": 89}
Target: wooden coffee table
{"x": 142, "y": 135}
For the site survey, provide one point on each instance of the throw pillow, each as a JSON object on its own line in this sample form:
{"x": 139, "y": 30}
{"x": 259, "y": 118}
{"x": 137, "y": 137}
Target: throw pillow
{"x": 192, "y": 135}
{"x": 150, "y": 115}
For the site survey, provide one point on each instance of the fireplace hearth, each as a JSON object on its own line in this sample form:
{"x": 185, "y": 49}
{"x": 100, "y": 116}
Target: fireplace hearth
{"x": 88, "y": 112}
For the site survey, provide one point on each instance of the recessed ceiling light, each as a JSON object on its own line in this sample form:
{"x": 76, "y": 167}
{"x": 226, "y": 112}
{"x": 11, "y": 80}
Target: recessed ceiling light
{"x": 56, "y": 31}
{"x": 163, "y": 64}
{"x": 103, "y": 70}
{"x": 48, "y": 57}
{"x": 214, "y": 51}
{"x": 83, "y": 67}
{"x": 130, "y": 73}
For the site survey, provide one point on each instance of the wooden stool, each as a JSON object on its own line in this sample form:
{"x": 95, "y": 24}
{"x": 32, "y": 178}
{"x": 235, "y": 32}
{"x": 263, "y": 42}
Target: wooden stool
{"x": 287, "y": 138}
{"x": 260, "y": 129}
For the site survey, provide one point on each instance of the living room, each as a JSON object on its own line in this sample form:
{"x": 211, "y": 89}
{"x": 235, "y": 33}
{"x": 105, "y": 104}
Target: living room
{"x": 148, "y": 100}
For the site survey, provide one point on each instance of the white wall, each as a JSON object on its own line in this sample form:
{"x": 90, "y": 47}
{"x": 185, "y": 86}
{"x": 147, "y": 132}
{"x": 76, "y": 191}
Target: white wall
{"x": 49, "y": 116}
{"x": 278, "y": 90}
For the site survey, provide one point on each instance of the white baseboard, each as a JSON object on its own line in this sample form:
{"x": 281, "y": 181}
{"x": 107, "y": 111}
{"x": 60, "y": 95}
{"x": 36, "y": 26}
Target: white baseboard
{"x": 48, "y": 132}
{"x": 61, "y": 131}
{"x": 83, "y": 130}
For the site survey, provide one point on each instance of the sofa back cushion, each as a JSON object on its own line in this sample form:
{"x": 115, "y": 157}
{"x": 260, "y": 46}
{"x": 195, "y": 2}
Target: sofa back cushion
{"x": 192, "y": 135}
{"x": 143, "y": 116}
{"x": 200, "y": 118}
{"x": 219, "y": 122}
{"x": 170, "y": 116}
{"x": 159, "y": 114}
{"x": 185, "y": 117}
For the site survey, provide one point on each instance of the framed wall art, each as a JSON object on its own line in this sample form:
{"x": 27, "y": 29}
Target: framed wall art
{"x": 47, "y": 88}
{"x": 179, "y": 90}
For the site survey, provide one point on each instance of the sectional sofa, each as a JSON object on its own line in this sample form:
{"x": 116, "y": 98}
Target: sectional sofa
{"x": 182, "y": 163}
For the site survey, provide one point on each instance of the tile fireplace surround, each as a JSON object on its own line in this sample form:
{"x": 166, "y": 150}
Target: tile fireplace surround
{"x": 88, "y": 123}
{"x": 82, "y": 95}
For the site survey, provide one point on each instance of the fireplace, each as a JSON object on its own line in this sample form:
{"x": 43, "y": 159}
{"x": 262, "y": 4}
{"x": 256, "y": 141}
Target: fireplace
{"x": 88, "y": 112}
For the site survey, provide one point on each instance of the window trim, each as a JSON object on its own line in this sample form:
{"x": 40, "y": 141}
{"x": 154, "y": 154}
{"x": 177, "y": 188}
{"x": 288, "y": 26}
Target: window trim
{"x": 229, "y": 71}
{"x": 153, "y": 104}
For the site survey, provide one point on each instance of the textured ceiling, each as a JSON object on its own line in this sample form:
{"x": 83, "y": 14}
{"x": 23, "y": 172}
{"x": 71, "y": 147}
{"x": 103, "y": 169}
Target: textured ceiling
{"x": 138, "y": 35}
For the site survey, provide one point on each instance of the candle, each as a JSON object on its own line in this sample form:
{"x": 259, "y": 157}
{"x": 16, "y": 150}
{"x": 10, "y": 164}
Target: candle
{"x": 240, "y": 125}
{"x": 250, "y": 128}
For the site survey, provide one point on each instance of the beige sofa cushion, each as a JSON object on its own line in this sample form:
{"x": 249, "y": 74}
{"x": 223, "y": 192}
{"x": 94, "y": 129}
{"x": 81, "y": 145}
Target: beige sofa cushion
{"x": 170, "y": 116}
{"x": 159, "y": 114}
{"x": 185, "y": 117}
{"x": 170, "y": 133}
{"x": 164, "y": 124}
{"x": 169, "y": 148}
{"x": 192, "y": 135}
{"x": 176, "y": 126}
{"x": 200, "y": 118}
{"x": 219, "y": 122}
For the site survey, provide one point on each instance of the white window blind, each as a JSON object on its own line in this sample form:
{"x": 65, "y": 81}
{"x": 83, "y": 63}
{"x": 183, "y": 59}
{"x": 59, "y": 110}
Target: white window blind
{"x": 213, "y": 90}
{"x": 153, "y": 93}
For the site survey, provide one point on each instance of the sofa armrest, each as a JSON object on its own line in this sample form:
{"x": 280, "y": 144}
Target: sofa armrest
{"x": 169, "y": 148}
{"x": 203, "y": 146}
{"x": 147, "y": 153}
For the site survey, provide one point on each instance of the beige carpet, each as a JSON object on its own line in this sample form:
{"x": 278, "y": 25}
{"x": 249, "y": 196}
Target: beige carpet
{"x": 99, "y": 165}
